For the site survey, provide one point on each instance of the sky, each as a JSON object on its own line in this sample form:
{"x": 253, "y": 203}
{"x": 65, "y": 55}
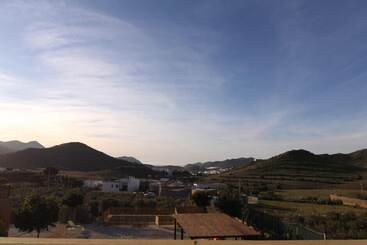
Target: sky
{"x": 174, "y": 82}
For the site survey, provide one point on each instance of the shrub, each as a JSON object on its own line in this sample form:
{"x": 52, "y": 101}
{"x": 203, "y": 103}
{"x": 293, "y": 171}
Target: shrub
{"x": 201, "y": 198}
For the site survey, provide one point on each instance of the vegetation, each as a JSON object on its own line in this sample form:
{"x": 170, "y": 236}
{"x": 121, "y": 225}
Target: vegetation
{"x": 201, "y": 198}
{"x": 73, "y": 199}
{"x": 36, "y": 214}
{"x": 229, "y": 202}
{"x": 340, "y": 225}
{"x": 3, "y": 232}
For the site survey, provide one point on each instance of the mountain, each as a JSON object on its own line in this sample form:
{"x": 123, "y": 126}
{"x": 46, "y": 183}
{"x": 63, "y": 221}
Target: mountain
{"x": 130, "y": 159}
{"x": 15, "y": 145}
{"x": 69, "y": 156}
{"x": 302, "y": 168}
{"x": 226, "y": 164}
{"x": 166, "y": 168}
{"x": 4, "y": 150}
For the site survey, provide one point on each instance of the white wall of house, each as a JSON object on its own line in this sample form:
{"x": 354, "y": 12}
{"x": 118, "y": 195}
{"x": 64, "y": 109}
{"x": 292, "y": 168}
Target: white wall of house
{"x": 131, "y": 185}
{"x": 110, "y": 186}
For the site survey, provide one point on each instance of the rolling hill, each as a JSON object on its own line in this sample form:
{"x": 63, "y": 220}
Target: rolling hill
{"x": 69, "y": 156}
{"x": 15, "y": 145}
{"x": 301, "y": 168}
{"x": 130, "y": 159}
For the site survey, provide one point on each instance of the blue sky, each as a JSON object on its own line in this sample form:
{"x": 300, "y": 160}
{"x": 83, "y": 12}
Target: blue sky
{"x": 173, "y": 82}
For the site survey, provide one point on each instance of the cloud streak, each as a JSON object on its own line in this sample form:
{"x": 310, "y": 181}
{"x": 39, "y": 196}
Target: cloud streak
{"x": 118, "y": 85}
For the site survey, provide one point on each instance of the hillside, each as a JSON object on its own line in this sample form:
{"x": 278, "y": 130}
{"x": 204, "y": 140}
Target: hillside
{"x": 300, "y": 168}
{"x": 130, "y": 159}
{"x": 229, "y": 163}
{"x": 70, "y": 156}
{"x": 15, "y": 145}
{"x": 4, "y": 150}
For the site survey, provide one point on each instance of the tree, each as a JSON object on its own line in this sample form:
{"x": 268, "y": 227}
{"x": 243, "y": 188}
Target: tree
{"x": 73, "y": 199}
{"x": 201, "y": 198}
{"x": 94, "y": 209}
{"x": 3, "y": 231}
{"x": 36, "y": 214}
{"x": 229, "y": 202}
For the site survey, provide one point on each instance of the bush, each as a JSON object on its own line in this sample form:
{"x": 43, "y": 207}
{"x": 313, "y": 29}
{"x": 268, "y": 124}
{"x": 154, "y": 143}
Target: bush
{"x": 201, "y": 198}
{"x": 80, "y": 214}
{"x": 83, "y": 215}
{"x": 3, "y": 231}
{"x": 340, "y": 225}
{"x": 230, "y": 206}
{"x": 73, "y": 199}
{"x": 110, "y": 203}
{"x": 65, "y": 214}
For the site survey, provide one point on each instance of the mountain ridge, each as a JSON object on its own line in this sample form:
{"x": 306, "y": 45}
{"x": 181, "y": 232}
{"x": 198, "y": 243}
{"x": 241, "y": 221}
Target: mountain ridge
{"x": 302, "y": 168}
{"x": 71, "y": 156}
{"x": 16, "y": 145}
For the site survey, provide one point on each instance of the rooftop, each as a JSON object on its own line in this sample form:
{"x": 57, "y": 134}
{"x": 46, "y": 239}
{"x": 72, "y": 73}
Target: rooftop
{"x": 213, "y": 225}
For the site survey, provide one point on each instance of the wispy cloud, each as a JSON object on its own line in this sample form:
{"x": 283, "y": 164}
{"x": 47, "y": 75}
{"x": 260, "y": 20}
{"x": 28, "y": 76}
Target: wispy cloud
{"x": 73, "y": 73}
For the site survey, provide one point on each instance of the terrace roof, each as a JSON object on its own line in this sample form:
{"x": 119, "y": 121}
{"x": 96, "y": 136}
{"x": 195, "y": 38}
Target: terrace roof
{"x": 213, "y": 225}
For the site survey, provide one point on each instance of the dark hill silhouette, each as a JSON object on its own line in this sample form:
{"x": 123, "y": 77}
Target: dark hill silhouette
{"x": 4, "y": 150}
{"x": 70, "y": 156}
{"x": 130, "y": 159}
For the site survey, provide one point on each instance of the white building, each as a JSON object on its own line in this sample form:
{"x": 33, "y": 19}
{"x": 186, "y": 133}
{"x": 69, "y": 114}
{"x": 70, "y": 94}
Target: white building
{"x": 130, "y": 184}
{"x": 111, "y": 186}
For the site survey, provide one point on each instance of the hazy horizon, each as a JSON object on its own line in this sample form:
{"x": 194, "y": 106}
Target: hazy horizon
{"x": 175, "y": 82}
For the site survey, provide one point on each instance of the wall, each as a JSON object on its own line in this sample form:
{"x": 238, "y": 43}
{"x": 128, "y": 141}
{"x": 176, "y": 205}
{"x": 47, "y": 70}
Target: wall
{"x": 110, "y": 186}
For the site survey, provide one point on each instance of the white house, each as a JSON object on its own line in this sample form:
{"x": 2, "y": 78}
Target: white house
{"x": 111, "y": 186}
{"x": 130, "y": 184}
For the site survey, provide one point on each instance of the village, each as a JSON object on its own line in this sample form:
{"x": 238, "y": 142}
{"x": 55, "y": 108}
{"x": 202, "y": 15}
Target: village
{"x": 172, "y": 219}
